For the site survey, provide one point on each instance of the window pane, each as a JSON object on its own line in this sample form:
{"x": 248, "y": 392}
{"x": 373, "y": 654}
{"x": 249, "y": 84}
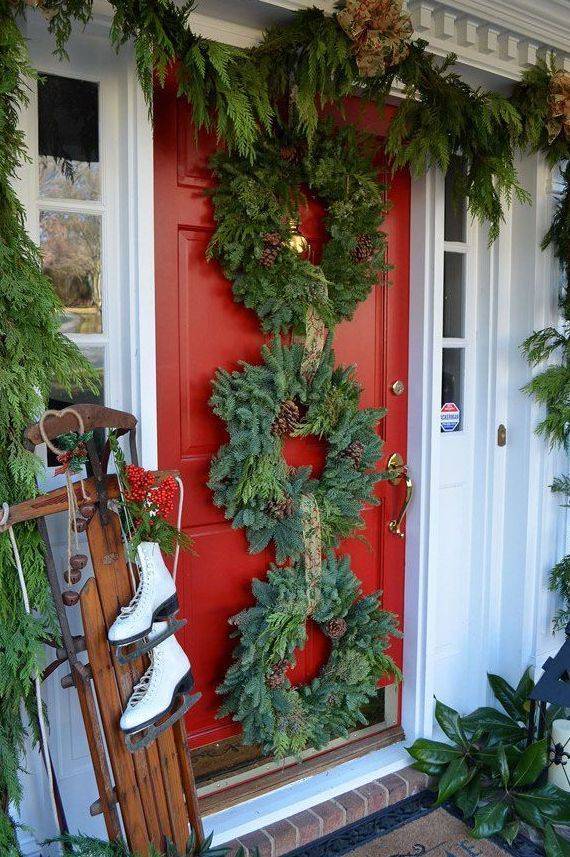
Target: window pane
{"x": 68, "y": 138}
{"x": 453, "y": 294}
{"x": 452, "y": 389}
{"x": 71, "y": 253}
{"x": 455, "y": 208}
{"x": 60, "y": 398}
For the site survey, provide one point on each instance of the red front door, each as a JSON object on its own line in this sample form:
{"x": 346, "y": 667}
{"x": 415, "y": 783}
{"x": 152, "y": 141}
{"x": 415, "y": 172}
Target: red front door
{"x": 199, "y": 328}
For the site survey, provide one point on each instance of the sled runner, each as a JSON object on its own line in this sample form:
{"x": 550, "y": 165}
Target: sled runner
{"x": 150, "y": 790}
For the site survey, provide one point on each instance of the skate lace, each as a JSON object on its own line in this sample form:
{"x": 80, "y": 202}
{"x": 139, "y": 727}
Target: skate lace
{"x": 134, "y": 602}
{"x": 141, "y": 687}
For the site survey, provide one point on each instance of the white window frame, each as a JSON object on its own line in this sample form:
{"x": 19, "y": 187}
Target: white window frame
{"x": 127, "y": 239}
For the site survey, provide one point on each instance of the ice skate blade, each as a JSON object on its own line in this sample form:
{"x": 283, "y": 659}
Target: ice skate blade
{"x": 146, "y": 644}
{"x": 152, "y": 731}
{"x": 163, "y": 613}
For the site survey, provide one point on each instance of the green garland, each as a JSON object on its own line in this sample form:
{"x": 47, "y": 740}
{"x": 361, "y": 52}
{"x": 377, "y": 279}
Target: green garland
{"x": 286, "y": 719}
{"x": 257, "y": 203}
{"x": 32, "y": 355}
{"x": 550, "y": 387}
{"x": 249, "y": 476}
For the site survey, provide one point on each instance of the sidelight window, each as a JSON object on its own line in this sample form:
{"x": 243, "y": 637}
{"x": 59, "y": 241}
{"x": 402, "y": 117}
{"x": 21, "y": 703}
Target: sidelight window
{"x": 454, "y": 341}
{"x": 71, "y": 215}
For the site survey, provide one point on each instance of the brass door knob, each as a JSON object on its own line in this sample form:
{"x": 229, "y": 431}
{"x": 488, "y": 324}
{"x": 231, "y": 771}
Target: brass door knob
{"x": 398, "y": 387}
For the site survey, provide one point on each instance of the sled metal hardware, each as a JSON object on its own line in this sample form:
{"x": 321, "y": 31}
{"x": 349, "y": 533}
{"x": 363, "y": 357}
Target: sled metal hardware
{"x": 153, "y": 730}
{"x": 146, "y": 644}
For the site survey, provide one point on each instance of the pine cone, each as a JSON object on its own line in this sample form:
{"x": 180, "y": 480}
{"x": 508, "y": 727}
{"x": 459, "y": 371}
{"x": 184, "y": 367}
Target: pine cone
{"x": 280, "y": 509}
{"x": 290, "y": 154}
{"x": 287, "y": 419}
{"x": 364, "y": 250}
{"x": 272, "y": 245}
{"x": 277, "y": 675}
{"x": 355, "y": 451}
{"x": 336, "y": 628}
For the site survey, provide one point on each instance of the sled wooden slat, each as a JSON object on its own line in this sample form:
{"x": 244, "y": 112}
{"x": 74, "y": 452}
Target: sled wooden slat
{"x": 186, "y": 773}
{"x": 115, "y": 590}
{"x": 177, "y": 808}
{"x": 126, "y": 787}
{"x": 97, "y": 750}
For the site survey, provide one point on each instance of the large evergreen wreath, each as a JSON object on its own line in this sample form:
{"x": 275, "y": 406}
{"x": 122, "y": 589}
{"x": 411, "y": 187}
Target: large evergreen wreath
{"x": 261, "y": 404}
{"x": 286, "y": 719}
{"x": 256, "y": 206}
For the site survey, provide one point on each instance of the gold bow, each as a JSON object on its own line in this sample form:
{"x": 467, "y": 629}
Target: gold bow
{"x": 559, "y": 106}
{"x": 380, "y": 32}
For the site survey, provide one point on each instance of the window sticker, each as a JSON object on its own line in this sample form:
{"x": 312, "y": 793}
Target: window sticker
{"x": 450, "y": 416}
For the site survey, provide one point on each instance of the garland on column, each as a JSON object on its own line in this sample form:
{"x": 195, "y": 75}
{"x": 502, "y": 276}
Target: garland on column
{"x": 32, "y": 355}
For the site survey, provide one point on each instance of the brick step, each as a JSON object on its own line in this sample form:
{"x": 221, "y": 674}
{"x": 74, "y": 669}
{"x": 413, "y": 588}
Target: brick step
{"x": 307, "y": 826}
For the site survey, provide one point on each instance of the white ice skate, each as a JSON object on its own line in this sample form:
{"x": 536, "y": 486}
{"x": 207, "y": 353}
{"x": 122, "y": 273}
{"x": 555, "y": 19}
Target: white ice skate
{"x": 162, "y": 696}
{"x": 154, "y": 601}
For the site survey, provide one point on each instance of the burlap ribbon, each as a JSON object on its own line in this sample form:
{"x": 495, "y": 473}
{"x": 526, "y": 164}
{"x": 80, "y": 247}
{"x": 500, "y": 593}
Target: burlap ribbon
{"x": 559, "y": 106}
{"x": 380, "y": 32}
{"x": 315, "y": 338}
{"x": 311, "y": 522}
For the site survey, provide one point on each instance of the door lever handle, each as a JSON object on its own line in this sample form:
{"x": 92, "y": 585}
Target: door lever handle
{"x": 397, "y": 469}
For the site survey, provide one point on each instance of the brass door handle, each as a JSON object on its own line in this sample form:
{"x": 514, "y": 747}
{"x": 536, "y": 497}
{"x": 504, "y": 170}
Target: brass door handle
{"x": 397, "y": 469}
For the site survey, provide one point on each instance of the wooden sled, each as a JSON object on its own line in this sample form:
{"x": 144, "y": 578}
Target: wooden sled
{"x": 152, "y": 792}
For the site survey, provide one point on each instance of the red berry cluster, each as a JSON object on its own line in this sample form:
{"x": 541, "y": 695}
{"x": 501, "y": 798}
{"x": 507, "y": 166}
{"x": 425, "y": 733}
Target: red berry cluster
{"x": 163, "y": 496}
{"x": 140, "y": 482}
{"x": 143, "y": 489}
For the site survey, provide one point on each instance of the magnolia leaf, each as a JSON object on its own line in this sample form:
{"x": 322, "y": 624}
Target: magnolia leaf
{"x": 550, "y": 801}
{"x": 508, "y": 697}
{"x": 528, "y": 811}
{"x": 511, "y": 831}
{"x": 429, "y": 768}
{"x": 454, "y": 778}
{"x": 450, "y": 722}
{"x": 554, "y": 844}
{"x": 532, "y": 763}
{"x": 499, "y": 726}
{"x": 525, "y": 686}
{"x": 433, "y": 752}
{"x": 503, "y": 766}
{"x": 468, "y": 798}
{"x": 490, "y": 820}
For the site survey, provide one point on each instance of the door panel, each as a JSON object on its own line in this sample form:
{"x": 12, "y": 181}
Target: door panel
{"x": 201, "y": 328}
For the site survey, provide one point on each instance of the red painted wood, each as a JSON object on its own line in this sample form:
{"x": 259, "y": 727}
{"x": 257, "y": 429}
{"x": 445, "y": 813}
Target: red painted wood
{"x": 199, "y": 327}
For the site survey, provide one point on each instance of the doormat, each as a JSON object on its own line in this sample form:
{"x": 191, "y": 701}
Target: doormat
{"x": 413, "y": 828}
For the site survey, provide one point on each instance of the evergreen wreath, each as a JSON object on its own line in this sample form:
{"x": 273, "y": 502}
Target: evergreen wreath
{"x": 256, "y": 206}
{"x": 249, "y": 477}
{"x": 286, "y": 719}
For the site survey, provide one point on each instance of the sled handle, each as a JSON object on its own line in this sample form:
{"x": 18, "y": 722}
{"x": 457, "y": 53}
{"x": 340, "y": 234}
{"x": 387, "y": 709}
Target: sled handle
{"x": 93, "y": 416}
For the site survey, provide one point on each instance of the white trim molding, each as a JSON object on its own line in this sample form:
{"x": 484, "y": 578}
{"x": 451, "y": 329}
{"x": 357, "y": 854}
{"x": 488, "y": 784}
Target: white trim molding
{"x": 484, "y": 39}
{"x": 500, "y": 37}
